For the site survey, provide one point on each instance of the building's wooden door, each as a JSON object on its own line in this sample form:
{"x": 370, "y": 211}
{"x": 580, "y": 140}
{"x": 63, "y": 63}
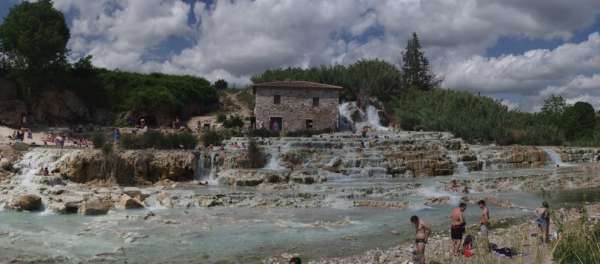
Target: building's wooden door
{"x": 276, "y": 124}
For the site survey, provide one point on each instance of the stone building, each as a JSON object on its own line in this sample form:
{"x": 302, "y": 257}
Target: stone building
{"x": 296, "y": 105}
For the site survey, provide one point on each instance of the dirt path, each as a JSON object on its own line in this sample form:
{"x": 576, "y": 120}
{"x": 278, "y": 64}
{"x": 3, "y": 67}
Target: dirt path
{"x": 243, "y": 110}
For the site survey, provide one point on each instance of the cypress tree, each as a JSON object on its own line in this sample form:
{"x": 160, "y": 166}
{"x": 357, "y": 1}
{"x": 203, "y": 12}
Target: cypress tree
{"x": 416, "y": 69}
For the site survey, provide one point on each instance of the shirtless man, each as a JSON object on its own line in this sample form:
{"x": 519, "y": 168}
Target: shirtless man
{"x": 457, "y": 229}
{"x": 423, "y": 232}
{"x": 485, "y": 219}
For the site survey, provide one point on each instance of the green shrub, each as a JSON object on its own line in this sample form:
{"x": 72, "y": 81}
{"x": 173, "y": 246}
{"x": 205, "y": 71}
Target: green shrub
{"x": 212, "y": 137}
{"x": 262, "y": 133}
{"x": 579, "y": 243}
{"x": 221, "y": 117}
{"x": 158, "y": 140}
{"x": 98, "y": 139}
{"x": 107, "y": 149}
{"x": 233, "y": 122}
{"x": 255, "y": 157}
{"x": 307, "y": 132}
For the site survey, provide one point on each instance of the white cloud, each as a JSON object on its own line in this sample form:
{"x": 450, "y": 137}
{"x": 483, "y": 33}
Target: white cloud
{"x": 537, "y": 72}
{"x": 236, "y": 39}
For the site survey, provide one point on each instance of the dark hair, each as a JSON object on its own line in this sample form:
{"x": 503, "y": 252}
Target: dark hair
{"x": 414, "y": 218}
{"x": 481, "y": 202}
{"x": 545, "y": 204}
{"x": 295, "y": 260}
{"x": 462, "y": 205}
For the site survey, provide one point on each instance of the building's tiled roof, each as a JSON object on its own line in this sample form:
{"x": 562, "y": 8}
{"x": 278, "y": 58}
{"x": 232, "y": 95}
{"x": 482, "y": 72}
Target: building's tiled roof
{"x": 297, "y": 84}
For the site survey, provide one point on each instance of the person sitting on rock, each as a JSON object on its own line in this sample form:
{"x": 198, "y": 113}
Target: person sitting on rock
{"x": 454, "y": 186}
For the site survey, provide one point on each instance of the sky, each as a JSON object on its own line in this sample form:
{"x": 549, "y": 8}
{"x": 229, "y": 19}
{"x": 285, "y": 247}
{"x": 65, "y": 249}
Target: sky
{"x": 517, "y": 51}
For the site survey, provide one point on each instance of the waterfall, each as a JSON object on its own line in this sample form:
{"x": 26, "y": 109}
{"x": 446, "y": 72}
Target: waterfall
{"x": 370, "y": 118}
{"x": 373, "y": 119}
{"x": 275, "y": 159}
{"x": 461, "y": 169}
{"x": 555, "y": 157}
{"x": 204, "y": 173}
{"x": 34, "y": 161}
{"x": 30, "y": 170}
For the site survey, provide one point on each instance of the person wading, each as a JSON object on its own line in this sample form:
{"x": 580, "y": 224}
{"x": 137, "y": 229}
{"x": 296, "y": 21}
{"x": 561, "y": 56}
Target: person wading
{"x": 457, "y": 229}
{"x": 484, "y": 224}
{"x": 421, "y": 237}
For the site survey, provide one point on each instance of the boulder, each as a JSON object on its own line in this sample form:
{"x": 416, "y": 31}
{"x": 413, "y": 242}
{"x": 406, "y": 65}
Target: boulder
{"x": 28, "y": 202}
{"x": 95, "y": 207}
{"x": 127, "y": 202}
{"x": 380, "y": 204}
{"x": 437, "y": 200}
{"x": 304, "y": 177}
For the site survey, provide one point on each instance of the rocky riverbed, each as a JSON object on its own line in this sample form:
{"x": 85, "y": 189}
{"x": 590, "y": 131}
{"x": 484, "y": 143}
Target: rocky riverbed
{"x": 330, "y": 195}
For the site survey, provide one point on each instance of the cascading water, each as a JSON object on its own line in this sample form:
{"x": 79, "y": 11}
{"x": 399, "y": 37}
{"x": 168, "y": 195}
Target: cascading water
{"x": 374, "y": 120}
{"x": 206, "y": 173}
{"x": 30, "y": 170}
{"x": 274, "y": 162}
{"x": 349, "y": 111}
{"x": 555, "y": 158}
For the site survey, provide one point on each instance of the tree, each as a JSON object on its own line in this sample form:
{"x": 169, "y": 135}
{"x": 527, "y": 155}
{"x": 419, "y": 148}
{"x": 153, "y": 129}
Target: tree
{"x": 375, "y": 78}
{"x": 33, "y": 44}
{"x": 553, "y": 109}
{"x": 254, "y": 155}
{"x": 221, "y": 84}
{"x": 416, "y": 69}
{"x": 34, "y": 36}
{"x": 579, "y": 121}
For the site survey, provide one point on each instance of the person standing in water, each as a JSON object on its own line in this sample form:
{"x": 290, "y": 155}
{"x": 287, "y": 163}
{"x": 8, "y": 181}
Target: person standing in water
{"x": 421, "y": 237}
{"x": 457, "y": 230}
{"x": 543, "y": 221}
{"x": 484, "y": 224}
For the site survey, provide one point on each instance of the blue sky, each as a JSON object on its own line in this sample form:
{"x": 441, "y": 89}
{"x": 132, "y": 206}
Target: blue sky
{"x": 516, "y": 51}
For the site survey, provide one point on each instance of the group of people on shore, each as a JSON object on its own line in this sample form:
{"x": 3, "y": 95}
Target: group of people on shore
{"x": 458, "y": 229}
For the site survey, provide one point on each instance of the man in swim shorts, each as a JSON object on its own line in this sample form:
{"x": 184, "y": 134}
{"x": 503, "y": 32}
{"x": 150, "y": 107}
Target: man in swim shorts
{"x": 421, "y": 237}
{"x": 457, "y": 230}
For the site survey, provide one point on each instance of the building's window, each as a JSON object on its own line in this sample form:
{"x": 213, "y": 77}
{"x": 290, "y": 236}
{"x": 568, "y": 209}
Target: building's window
{"x": 315, "y": 101}
{"x": 277, "y": 99}
{"x": 309, "y": 124}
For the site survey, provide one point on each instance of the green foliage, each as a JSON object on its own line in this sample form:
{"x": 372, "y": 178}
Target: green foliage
{"x": 33, "y": 46}
{"x": 362, "y": 79}
{"x": 98, "y": 139}
{"x": 307, "y": 132}
{"x": 221, "y": 117}
{"x": 34, "y": 36}
{"x": 579, "y": 243}
{"x": 156, "y": 93}
{"x": 255, "y": 158}
{"x": 107, "y": 149}
{"x": 416, "y": 69}
{"x": 158, "y": 140}
{"x": 579, "y": 121}
{"x": 262, "y": 133}
{"x": 233, "y": 122}
{"x": 221, "y": 84}
{"x": 212, "y": 138}
{"x": 479, "y": 118}
{"x": 466, "y": 115}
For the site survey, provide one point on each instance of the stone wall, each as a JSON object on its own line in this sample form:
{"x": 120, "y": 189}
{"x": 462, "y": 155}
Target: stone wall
{"x": 296, "y": 106}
